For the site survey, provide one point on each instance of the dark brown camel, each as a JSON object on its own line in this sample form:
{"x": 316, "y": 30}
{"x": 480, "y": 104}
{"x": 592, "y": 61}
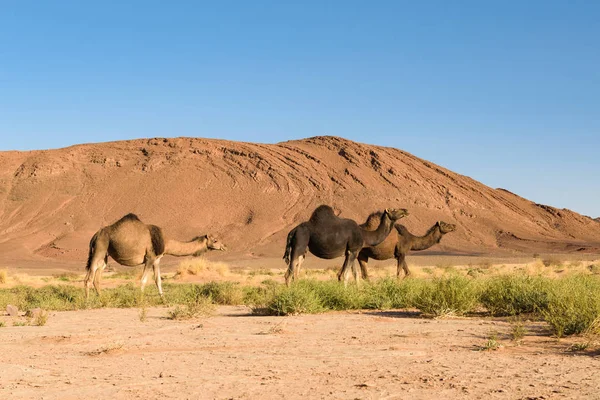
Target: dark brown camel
{"x": 328, "y": 236}
{"x": 399, "y": 243}
{"x": 130, "y": 242}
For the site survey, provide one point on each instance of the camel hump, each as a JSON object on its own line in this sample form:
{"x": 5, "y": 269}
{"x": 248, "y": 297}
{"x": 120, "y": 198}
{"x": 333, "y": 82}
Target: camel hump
{"x": 127, "y": 218}
{"x": 323, "y": 212}
{"x": 158, "y": 240}
{"x": 401, "y": 229}
{"x": 373, "y": 221}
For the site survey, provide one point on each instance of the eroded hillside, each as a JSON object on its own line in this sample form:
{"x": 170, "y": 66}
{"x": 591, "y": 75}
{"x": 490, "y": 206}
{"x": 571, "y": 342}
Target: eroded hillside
{"x": 51, "y": 202}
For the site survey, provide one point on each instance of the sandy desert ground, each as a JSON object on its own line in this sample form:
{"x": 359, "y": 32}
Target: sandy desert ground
{"x": 396, "y": 354}
{"x": 111, "y": 353}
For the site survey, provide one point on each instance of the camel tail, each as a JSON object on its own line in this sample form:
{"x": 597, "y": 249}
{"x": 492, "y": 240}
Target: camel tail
{"x": 288, "y": 246}
{"x": 88, "y": 266}
{"x": 158, "y": 240}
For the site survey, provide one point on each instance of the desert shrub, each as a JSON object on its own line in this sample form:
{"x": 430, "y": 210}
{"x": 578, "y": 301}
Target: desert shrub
{"x": 452, "y": 295}
{"x": 258, "y": 298}
{"x": 390, "y": 293}
{"x": 515, "y": 294}
{"x": 123, "y": 296}
{"x": 195, "y": 307}
{"x": 299, "y": 298}
{"x": 3, "y": 276}
{"x": 51, "y": 297}
{"x": 573, "y": 304}
{"x": 227, "y": 293}
{"x": 332, "y": 295}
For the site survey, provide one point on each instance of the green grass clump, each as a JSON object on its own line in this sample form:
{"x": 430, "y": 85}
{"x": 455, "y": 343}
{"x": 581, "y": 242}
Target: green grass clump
{"x": 515, "y": 294}
{"x": 258, "y": 298}
{"x": 390, "y": 293}
{"x": 226, "y": 293}
{"x": 123, "y": 296}
{"x": 299, "y": 298}
{"x": 452, "y": 295}
{"x": 332, "y": 295}
{"x": 51, "y": 297}
{"x": 573, "y": 304}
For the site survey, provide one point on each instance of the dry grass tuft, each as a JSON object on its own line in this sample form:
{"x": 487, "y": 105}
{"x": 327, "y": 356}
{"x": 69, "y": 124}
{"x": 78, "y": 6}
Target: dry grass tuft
{"x": 143, "y": 314}
{"x": 592, "y": 333}
{"x": 274, "y": 330}
{"x": 199, "y": 265}
{"x": 3, "y": 276}
{"x": 196, "y": 307}
{"x": 108, "y": 349}
{"x": 41, "y": 318}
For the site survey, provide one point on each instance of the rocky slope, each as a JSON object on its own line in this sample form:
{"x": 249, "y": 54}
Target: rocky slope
{"x": 250, "y": 195}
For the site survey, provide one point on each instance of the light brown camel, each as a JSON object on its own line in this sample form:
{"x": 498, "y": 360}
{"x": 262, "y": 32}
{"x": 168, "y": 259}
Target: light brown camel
{"x": 328, "y": 236}
{"x": 399, "y": 243}
{"x": 130, "y": 242}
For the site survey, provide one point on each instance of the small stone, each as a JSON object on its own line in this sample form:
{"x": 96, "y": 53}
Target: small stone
{"x": 13, "y": 311}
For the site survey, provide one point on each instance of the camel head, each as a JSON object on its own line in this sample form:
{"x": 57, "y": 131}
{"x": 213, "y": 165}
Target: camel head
{"x": 214, "y": 244}
{"x": 396, "y": 213}
{"x": 446, "y": 227}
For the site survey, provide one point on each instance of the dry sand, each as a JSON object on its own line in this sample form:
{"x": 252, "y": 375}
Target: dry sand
{"x": 110, "y": 353}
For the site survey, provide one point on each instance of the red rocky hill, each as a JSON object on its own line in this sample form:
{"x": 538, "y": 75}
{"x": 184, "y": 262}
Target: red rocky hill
{"x": 250, "y": 195}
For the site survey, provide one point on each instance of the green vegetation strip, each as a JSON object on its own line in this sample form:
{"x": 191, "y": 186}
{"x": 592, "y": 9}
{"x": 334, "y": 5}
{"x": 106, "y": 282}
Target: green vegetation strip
{"x": 570, "y": 305}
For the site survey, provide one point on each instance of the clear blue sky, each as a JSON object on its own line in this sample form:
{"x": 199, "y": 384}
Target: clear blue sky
{"x": 507, "y": 92}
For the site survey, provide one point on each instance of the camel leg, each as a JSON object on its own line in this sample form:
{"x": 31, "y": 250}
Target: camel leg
{"x": 362, "y": 261}
{"x": 157, "y": 278}
{"x": 297, "y": 243}
{"x": 355, "y": 270}
{"x": 98, "y": 275}
{"x": 289, "y": 272}
{"x": 405, "y": 268}
{"x": 401, "y": 264}
{"x": 297, "y": 267}
{"x": 292, "y": 272}
{"x": 348, "y": 264}
{"x": 147, "y": 264}
{"x": 97, "y": 263}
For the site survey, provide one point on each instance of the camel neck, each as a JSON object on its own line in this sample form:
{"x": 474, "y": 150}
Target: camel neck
{"x": 177, "y": 248}
{"x": 433, "y": 236}
{"x": 373, "y": 238}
